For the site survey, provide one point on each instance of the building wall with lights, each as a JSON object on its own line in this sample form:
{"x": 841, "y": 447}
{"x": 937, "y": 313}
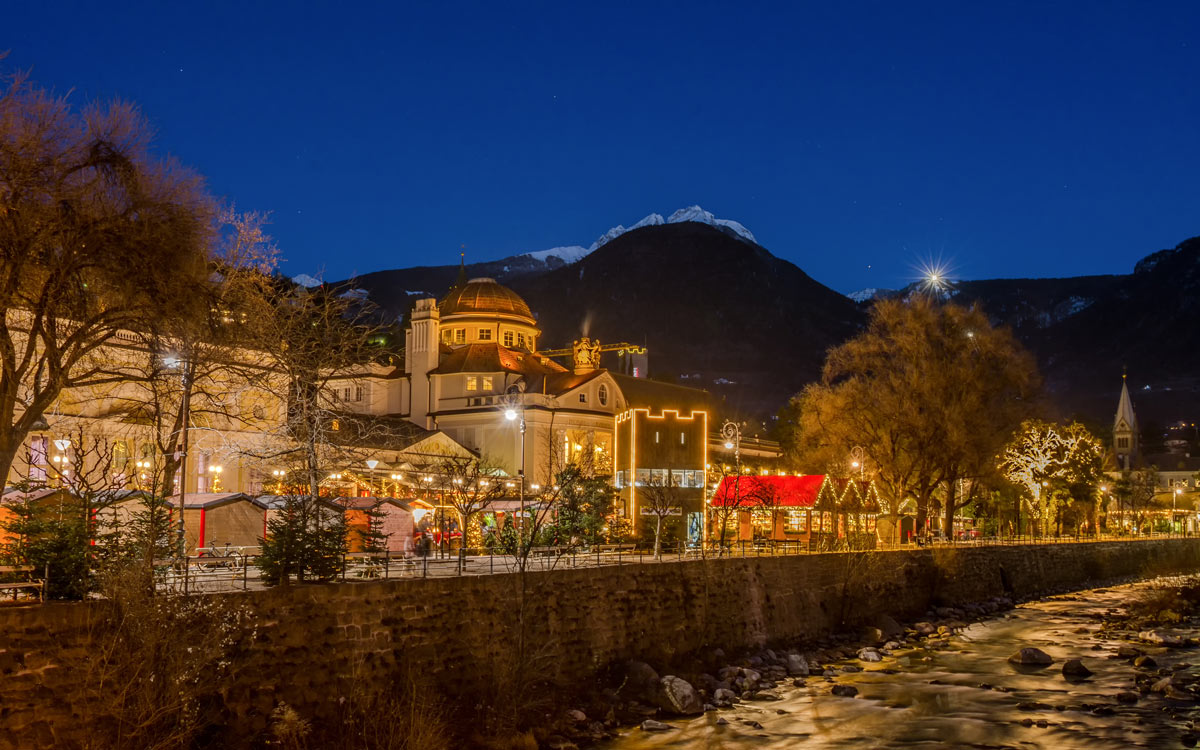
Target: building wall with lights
{"x": 659, "y": 451}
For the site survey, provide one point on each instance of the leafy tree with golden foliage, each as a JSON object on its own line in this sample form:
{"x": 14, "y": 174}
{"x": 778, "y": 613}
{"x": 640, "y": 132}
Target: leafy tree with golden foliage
{"x": 931, "y": 391}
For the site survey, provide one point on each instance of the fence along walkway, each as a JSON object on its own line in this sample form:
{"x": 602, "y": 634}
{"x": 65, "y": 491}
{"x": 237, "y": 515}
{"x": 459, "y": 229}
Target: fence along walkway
{"x": 206, "y": 574}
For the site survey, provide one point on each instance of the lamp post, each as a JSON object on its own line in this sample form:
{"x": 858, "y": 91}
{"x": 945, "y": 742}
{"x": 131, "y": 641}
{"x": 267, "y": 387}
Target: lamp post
{"x": 371, "y": 464}
{"x": 184, "y": 367}
{"x": 1103, "y": 495}
{"x": 514, "y": 411}
{"x": 1174, "y": 497}
{"x": 732, "y": 433}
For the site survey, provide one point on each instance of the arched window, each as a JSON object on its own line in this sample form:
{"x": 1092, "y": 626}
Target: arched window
{"x": 602, "y": 395}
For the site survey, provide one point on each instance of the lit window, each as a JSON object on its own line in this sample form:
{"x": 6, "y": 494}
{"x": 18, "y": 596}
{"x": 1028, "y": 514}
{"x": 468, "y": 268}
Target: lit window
{"x": 335, "y": 425}
{"x": 682, "y": 439}
{"x": 656, "y": 436}
{"x": 485, "y": 334}
{"x": 460, "y": 335}
{"x": 472, "y": 383}
{"x": 487, "y": 382}
{"x": 508, "y": 338}
{"x": 602, "y": 395}
{"x": 520, "y": 341}
{"x": 446, "y": 333}
{"x": 583, "y": 398}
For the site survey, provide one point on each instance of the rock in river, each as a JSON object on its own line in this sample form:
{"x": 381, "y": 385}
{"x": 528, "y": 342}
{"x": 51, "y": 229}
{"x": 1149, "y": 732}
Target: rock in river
{"x": 846, "y": 691}
{"x": 1075, "y": 668}
{"x": 1031, "y": 657}
{"x": 650, "y": 725}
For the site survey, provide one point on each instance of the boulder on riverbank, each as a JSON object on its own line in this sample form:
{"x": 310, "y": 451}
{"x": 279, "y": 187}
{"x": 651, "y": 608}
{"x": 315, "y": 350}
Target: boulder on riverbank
{"x": 677, "y": 696}
{"x": 640, "y": 682}
{"x": 1031, "y": 657}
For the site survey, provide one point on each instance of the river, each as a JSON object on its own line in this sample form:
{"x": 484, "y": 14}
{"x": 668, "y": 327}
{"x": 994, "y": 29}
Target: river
{"x": 964, "y": 694}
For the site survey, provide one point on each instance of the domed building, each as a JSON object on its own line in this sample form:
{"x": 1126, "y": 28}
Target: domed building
{"x": 473, "y": 370}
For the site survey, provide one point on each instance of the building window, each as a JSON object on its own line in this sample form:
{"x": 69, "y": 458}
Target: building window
{"x": 460, "y": 335}
{"x": 678, "y": 478}
{"x": 1123, "y": 442}
{"x": 602, "y": 395}
{"x": 682, "y": 439}
{"x": 520, "y": 341}
{"x": 472, "y": 383}
{"x": 485, "y": 334}
{"x": 795, "y": 521}
{"x": 656, "y": 436}
{"x": 620, "y": 479}
{"x": 641, "y": 477}
{"x": 487, "y": 383}
{"x": 508, "y": 338}
{"x": 446, "y": 333}
{"x": 583, "y": 398}
{"x": 358, "y": 393}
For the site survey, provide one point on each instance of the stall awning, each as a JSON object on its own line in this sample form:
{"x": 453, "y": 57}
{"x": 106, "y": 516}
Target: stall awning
{"x": 751, "y": 491}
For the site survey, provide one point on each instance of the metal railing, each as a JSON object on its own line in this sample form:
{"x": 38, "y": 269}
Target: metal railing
{"x": 207, "y": 574}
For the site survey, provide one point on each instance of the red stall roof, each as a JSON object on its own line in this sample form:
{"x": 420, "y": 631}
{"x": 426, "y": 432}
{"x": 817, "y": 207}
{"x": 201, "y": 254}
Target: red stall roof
{"x": 772, "y": 491}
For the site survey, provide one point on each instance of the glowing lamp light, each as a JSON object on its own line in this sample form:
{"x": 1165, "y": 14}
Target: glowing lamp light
{"x": 510, "y": 414}
{"x": 62, "y": 445}
{"x": 728, "y": 445}
{"x": 372, "y": 463}
{"x": 535, "y": 487}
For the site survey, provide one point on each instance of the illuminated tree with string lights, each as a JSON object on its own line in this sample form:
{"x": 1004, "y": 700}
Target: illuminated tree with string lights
{"x": 1059, "y": 469}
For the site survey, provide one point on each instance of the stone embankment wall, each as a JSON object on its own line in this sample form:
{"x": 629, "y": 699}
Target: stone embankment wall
{"x": 305, "y": 645}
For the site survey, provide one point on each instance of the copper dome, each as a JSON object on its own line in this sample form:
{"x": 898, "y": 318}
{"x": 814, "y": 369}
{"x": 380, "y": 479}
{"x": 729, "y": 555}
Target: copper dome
{"x": 484, "y": 295}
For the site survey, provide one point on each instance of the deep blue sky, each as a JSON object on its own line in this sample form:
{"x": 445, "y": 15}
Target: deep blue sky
{"x": 1038, "y": 139}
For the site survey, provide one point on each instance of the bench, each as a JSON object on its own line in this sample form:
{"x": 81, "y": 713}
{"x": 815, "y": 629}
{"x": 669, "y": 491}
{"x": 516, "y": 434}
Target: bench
{"x": 25, "y": 571}
{"x": 547, "y": 551}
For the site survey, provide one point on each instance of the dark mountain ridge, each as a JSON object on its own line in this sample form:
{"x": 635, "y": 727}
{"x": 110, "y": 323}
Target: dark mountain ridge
{"x": 720, "y": 312}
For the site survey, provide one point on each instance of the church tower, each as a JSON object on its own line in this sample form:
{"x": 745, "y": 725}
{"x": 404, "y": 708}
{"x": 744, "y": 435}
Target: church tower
{"x": 1125, "y": 430}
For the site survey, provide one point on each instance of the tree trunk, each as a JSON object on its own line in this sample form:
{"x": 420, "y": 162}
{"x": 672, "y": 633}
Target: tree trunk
{"x": 657, "y": 537}
{"x": 951, "y": 506}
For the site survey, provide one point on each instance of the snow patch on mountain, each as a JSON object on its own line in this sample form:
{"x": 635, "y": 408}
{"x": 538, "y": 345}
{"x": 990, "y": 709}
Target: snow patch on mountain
{"x": 695, "y": 213}
{"x": 306, "y": 281}
{"x": 568, "y": 254}
{"x": 572, "y": 253}
{"x": 870, "y": 293}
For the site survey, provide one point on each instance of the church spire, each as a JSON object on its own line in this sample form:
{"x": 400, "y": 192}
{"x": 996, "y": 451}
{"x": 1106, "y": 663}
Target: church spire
{"x": 462, "y": 271}
{"x": 1125, "y": 428}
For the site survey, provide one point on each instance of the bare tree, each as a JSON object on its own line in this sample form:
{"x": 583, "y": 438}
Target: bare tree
{"x": 662, "y": 499}
{"x": 94, "y": 235}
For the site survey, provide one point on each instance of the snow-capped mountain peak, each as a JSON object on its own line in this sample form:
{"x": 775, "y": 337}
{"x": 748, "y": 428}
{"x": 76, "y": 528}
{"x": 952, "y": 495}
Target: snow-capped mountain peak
{"x": 306, "y": 281}
{"x": 571, "y": 253}
{"x": 695, "y": 213}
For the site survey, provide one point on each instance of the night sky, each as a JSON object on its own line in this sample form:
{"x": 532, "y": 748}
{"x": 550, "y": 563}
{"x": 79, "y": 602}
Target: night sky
{"x": 856, "y": 140}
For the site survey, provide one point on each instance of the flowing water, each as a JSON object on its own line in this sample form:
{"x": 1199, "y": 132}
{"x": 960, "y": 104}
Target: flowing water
{"x": 965, "y": 694}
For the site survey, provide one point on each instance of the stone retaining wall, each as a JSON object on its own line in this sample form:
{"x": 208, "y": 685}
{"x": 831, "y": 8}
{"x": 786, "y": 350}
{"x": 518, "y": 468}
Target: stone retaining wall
{"x": 304, "y": 644}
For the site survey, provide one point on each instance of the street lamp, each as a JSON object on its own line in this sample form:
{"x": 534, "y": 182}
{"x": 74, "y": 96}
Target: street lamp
{"x": 1174, "y": 497}
{"x": 514, "y": 411}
